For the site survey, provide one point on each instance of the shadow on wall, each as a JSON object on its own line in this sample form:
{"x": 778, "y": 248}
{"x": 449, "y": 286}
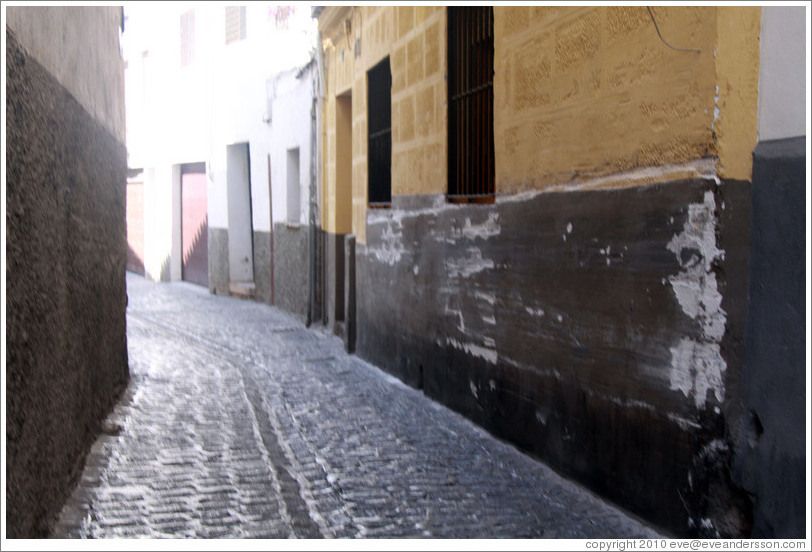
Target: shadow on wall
{"x": 65, "y": 303}
{"x": 134, "y": 261}
{"x": 195, "y": 265}
{"x": 162, "y": 276}
{"x": 196, "y": 257}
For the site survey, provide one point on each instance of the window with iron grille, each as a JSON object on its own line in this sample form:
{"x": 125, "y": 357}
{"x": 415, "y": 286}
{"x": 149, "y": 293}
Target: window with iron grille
{"x": 235, "y": 23}
{"x": 187, "y": 38}
{"x": 379, "y": 118}
{"x": 470, "y": 104}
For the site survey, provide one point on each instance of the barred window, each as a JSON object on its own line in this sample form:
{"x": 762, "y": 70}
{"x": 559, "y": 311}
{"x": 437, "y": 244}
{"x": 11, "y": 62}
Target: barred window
{"x": 379, "y": 117}
{"x": 187, "y": 38}
{"x": 470, "y": 104}
{"x": 235, "y": 23}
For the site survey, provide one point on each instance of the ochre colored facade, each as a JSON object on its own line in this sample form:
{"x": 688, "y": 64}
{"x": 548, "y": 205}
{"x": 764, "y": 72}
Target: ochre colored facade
{"x": 414, "y": 39}
{"x": 593, "y": 311}
{"x": 583, "y": 97}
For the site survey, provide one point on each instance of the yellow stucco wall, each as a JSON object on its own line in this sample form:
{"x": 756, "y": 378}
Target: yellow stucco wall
{"x": 582, "y": 95}
{"x": 338, "y": 153}
{"x": 585, "y": 92}
{"x": 419, "y": 135}
{"x": 737, "y": 73}
{"x": 414, "y": 39}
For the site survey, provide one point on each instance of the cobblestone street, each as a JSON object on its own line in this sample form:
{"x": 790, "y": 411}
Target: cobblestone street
{"x": 239, "y": 422}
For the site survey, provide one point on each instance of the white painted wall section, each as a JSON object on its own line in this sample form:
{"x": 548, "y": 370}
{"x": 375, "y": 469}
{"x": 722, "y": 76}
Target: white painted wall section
{"x": 782, "y": 81}
{"x": 187, "y": 114}
{"x": 240, "y": 239}
{"x": 161, "y": 222}
{"x": 291, "y": 98}
{"x": 74, "y": 44}
{"x": 697, "y": 366}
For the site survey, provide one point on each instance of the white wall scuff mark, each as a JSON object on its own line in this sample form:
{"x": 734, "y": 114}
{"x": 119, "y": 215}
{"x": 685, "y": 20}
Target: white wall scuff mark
{"x": 391, "y": 247}
{"x": 455, "y": 312}
{"x": 684, "y": 423}
{"x": 487, "y": 297}
{"x": 467, "y": 266}
{"x": 485, "y": 230}
{"x": 697, "y": 366}
{"x": 474, "y": 350}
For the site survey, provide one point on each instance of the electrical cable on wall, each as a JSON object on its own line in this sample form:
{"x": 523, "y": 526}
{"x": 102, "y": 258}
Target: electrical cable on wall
{"x": 664, "y": 40}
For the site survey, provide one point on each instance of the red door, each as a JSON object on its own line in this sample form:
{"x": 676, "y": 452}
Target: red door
{"x": 195, "y": 226}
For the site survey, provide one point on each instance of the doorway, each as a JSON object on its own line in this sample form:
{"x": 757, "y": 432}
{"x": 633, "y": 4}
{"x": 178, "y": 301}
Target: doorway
{"x": 194, "y": 224}
{"x": 240, "y": 236}
{"x": 343, "y": 203}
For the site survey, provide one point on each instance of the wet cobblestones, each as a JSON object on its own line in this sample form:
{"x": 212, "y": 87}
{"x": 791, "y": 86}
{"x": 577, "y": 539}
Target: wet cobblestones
{"x": 239, "y": 422}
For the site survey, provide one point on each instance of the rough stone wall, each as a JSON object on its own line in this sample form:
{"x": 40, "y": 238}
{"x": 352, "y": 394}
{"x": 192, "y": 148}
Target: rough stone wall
{"x": 79, "y": 47}
{"x": 135, "y": 226}
{"x": 66, "y": 291}
{"x": 599, "y": 330}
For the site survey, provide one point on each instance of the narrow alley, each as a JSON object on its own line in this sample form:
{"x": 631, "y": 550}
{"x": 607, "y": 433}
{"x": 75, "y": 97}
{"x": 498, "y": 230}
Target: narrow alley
{"x": 239, "y": 422}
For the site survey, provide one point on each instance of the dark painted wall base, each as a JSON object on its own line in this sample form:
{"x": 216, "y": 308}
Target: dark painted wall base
{"x": 771, "y": 453}
{"x": 66, "y": 290}
{"x": 599, "y": 330}
{"x": 218, "y": 261}
{"x": 334, "y": 310}
{"x": 290, "y": 254}
{"x": 291, "y": 250}
{"x": 262, "y": 267}
{"x": 349, "y": 294}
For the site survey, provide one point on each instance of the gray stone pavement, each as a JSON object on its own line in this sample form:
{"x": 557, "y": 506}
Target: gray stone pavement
{"x": 239, "y": 422}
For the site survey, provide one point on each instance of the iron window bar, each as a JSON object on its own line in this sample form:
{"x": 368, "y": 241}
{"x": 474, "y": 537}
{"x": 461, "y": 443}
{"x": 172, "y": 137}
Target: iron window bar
{"x": 379, "y": 137}
{"x": 470, "y": 115}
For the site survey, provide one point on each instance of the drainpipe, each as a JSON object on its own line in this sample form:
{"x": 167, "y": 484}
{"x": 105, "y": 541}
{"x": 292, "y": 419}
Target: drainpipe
{"x": 320, "y": 63}
{"x": 311, "y": 257}
{"x": 270, "y": 214}
{"x": 315, "y": 171}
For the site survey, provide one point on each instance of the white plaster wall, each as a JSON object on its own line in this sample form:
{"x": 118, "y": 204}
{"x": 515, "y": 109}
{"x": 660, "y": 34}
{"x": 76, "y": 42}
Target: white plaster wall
{"x": 782, "y": 81}
{"x": 162, "y": 221}
{"x": 190, "y": 114}
{"x": 240, "y": 106}
{"x": 291, "y": 101}
{"x": 79, "y": 46}
{"x": 240, "y": 257}
{"x": 168, "y": 106}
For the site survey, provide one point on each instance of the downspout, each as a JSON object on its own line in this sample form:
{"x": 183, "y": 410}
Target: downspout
{"x": 270, "y": 214}
{"x": 315, "y": 173}
{"x": 311, "y": 257}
